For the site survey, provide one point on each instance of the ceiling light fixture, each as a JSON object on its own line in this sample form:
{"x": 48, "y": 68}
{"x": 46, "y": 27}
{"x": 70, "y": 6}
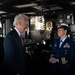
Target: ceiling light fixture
{"x": 29, "y": 13}
{"x": 72, "y": 3}
{"x": 1, "y": 12}
{"x": 0, "y": 3}
{"x": 26, "y": 5}
{"x": 55, "y": 8}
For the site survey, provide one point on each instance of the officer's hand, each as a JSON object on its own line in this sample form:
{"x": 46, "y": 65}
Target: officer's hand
{"x": 52, "y": 60}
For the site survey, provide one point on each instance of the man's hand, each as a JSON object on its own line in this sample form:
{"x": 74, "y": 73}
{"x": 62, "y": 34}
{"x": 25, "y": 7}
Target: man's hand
{"x": 53, "y": 60}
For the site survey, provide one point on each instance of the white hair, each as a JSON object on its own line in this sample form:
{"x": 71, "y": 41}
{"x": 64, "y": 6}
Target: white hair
{"x": 19, "y": 18}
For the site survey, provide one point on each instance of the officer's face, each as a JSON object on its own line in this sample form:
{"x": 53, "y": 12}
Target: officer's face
{"x": 61, "y": 32}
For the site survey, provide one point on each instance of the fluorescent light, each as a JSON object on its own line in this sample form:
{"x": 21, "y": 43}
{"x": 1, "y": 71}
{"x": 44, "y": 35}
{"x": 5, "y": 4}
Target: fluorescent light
{"x": 4, "y": 15}
{"x": 0, "y": 3}
{"x": 26, "y": 5}
{"x": 72, "y": 3}
{"x": 38, "y": 7}
{"x": 29, "y": 13}
{"x": 46, "y": 10}
{"x": 1, "y": 12}
{"x": 56, "y": 8}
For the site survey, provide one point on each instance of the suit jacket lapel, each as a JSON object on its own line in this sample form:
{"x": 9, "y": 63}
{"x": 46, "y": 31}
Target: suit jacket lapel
{"x": 17, "y": 36}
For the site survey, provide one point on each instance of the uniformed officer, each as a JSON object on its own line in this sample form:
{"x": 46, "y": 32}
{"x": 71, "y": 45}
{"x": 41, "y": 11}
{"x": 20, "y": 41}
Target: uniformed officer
{"x": 63, "y": 52}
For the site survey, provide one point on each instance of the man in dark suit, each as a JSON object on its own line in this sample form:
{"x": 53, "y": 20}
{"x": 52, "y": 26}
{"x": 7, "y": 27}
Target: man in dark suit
{"x": 14, "y": 58}
{"x": 63, "y": 53}
{"x": 1, "y": 49}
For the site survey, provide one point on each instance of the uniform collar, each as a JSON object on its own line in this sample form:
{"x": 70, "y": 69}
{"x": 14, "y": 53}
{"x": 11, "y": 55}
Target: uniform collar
{"x": 63, "y": 39}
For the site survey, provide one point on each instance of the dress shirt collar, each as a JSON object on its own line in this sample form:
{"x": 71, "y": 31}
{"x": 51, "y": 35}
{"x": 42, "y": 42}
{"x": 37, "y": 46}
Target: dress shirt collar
{"x": 17, "y": 31}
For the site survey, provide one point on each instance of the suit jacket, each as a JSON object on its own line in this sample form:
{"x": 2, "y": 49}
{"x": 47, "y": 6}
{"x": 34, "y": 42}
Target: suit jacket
{"x": 1, "y": 53}
{"x": 65, "y": 54}
{"x": 14, "y": 59}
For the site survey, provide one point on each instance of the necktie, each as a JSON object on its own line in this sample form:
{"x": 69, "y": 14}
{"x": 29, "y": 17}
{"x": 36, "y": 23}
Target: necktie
{"x": 21, "y": 38}
{"x": 60, "y": 43}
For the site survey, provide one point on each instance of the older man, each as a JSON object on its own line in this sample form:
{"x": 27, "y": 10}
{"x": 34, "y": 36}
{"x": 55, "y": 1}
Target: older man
{"x": 1, "y": 49}
{"x": 14, "y": 58}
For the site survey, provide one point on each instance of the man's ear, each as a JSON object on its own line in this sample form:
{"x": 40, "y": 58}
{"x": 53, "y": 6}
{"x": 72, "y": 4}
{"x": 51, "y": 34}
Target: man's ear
{"x": 19, "y": 23}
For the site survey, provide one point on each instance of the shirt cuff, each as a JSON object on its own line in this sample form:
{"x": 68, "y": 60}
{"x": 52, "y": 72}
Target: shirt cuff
{"x": 57, "y": 60}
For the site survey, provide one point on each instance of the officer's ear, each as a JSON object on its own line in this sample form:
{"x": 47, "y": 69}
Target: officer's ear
{"x": 66, "y": 31}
